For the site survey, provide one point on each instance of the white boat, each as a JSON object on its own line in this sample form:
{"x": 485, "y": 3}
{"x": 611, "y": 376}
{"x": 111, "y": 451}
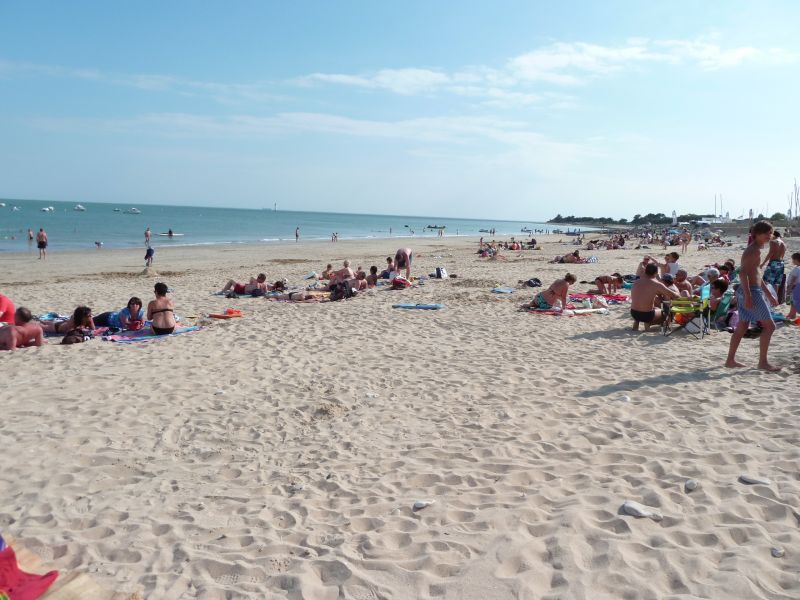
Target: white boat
{"x": 79, "y": 208}
{"x": 48, "y": 209}
{"x": 133, "y": 211}
{"x": 171, "y": 234}
{"x": 2, "y": 204}
{"x": 15, "y": 208}
{"x": 117, "y": 210}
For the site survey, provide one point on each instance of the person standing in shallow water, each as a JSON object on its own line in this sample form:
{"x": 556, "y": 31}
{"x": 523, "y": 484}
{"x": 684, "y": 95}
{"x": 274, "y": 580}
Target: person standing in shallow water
{"x": 147, "y": 235}
{"x": 297, "y": 234}
{"x": 41, "y": 243}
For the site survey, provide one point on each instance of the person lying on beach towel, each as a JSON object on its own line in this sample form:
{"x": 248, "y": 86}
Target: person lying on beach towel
{"x": 130, "y": 317}
{"x": 573, "y": 258}
{"x": 553, "y": 297}
{"x": 23, "y": 333}
{"x": 81, "y": 319}
{"x": 297, "y": 297}
{"x": 256, "y": 283}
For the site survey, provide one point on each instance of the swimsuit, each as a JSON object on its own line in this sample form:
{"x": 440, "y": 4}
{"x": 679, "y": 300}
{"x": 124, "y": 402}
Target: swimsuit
{"x": 162, "y": 330}
{"x": 774, "y": 272}
{"x": 540, "y": 302}
{"x": 42, "y": 245}
{"x": 760, "y": 310}
{"x": 643, "y": 316}
{"x": 239, "y": 288}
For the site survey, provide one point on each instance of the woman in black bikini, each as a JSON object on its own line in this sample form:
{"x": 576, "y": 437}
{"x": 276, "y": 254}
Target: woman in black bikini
{"x": 80, "y": 319}
{"x": 161, "y": 311}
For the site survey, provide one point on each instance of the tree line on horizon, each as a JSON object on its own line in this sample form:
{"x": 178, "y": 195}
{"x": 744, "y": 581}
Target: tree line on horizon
{"x": 651, "y": 218}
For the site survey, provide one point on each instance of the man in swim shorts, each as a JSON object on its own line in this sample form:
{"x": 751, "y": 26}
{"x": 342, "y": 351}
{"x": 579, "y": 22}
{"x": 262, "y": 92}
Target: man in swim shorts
{"x": 23, "y": 333}
{"x": 752, "y": 299}
{"x": 644, "y": 293}
{"x": 256, "y": 283}
{"x": 773, "y": 273}
{"x": 402, "y": 260}
{"x": 41, "y": 243}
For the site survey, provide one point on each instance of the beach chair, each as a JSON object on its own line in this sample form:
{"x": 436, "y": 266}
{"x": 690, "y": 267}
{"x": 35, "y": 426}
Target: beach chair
{"x": 722, "y": 309}
{"x": 688, "y": 314}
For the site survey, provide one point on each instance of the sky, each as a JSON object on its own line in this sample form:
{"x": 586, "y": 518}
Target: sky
{"x": 508, "y": 110}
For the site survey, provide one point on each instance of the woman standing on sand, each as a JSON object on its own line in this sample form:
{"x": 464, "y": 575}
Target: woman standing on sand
{"x": 161, "y": 311}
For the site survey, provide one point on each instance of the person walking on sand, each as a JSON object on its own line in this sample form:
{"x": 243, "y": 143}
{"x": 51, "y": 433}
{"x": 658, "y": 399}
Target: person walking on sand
{"x": 147, "y": 235}
{"x": 751, "y": 300}
{"x": 41, "y": 243}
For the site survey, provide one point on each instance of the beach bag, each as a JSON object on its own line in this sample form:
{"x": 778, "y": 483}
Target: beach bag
{"x": 342, "y": 291}
{"x": 534, "y": 282}
{"x": 441, "y": 273}
{"x": 76, "y": 336}
{"x": 400, "y": 283}
{"x": 135, "y": 325}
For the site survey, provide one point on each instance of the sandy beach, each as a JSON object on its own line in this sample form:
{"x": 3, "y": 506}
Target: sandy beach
{"x": 280, "y": 455}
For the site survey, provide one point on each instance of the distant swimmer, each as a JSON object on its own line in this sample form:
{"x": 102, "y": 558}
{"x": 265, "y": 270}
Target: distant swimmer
{"x": 30, "y": 234}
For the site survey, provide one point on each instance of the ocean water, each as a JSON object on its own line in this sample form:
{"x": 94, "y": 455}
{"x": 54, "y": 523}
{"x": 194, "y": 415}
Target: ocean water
{"x": 68, "y": 229}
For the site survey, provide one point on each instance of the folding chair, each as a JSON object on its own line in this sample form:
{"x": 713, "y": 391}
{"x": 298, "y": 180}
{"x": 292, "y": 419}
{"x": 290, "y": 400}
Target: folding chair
{"x": 685, "y": 312}
{"x": 722, "y": 309}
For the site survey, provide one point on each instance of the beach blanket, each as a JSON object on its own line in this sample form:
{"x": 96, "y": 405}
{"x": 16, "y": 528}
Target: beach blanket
{"x": 578, "y": 312}
{"x": 611, "y": 298}
{"x": 16, "y": 584}
{"x": 419, "y": 306}
{"x": 145, "y": 335}
{"x": 503, "y": 290}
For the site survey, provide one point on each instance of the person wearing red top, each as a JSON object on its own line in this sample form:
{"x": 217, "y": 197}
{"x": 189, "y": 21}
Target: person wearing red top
{"x": 6, "y": 310}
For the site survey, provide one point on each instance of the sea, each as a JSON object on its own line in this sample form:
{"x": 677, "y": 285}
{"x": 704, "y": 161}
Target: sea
{"x": 118, "y": 226}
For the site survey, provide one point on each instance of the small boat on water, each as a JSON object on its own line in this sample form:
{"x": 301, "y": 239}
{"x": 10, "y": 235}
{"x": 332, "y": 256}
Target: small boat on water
{"x": 526, "y": 230}
{"x": 483, "y": 231}
{"x": 79, "y": 208}
{"x": 2, "y": 204}
{"x": 48, "y": 209}
{"x": 171, "y": 234}
{"x": 436, "y": 226}
{"x": 117, "y": 210}
{"x": 15, "y": 208}
{"x": 133, "y": 211}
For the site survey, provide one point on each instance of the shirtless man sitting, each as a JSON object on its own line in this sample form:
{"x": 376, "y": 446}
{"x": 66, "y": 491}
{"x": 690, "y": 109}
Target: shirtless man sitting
{"x": 256, "y": 283}
{"x": 326, "y": 274}
{"x": 344, "y": 273}
{"x": 22, "y": 333}
{"x": 644, "y": 292}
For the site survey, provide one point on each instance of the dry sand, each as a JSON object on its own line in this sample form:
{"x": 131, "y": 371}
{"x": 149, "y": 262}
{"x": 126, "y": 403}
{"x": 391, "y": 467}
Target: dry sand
{"x": 279, "y": 455}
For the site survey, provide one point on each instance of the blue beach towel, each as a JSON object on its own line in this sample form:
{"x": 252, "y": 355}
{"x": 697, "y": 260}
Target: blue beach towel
{"x": 419, "y": 306}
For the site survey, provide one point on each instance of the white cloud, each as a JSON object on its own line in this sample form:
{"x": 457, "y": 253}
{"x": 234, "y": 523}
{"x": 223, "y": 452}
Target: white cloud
{"x": 561, "y": 64}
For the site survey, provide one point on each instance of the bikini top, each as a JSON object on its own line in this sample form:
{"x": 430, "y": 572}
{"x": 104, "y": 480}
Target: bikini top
{"x": 160, "y": 310}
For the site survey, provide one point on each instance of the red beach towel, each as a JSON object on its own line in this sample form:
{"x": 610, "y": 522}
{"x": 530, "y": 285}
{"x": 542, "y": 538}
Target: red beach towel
{"x": 19, "y": 585}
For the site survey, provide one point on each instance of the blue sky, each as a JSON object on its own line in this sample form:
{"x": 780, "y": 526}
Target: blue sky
{"x": 516, "y": 110}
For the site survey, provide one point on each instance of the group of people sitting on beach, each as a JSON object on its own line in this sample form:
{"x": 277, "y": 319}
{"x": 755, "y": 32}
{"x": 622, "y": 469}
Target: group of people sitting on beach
{"x": 25, "y": 331}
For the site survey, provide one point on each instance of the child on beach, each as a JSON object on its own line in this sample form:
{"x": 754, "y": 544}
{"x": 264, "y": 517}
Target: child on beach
{"x": 793, "y": 286}
{"x": 752, "y": 298}
{"x": 609, "y": 284}
{"x": 148, "y": 256}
